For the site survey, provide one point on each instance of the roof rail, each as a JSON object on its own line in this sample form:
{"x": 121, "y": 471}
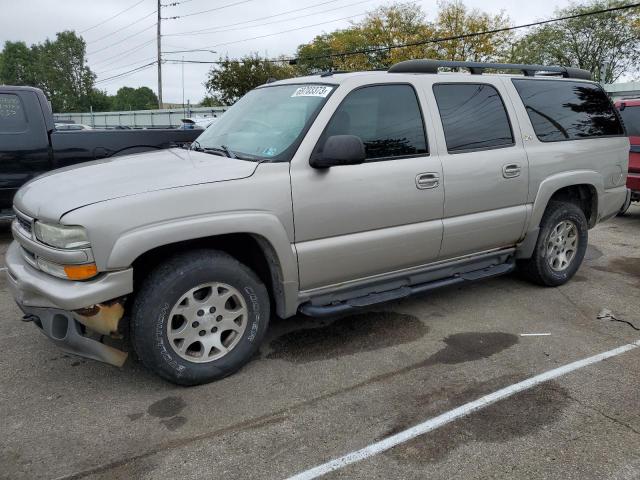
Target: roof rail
{"x": 476, "y": 68}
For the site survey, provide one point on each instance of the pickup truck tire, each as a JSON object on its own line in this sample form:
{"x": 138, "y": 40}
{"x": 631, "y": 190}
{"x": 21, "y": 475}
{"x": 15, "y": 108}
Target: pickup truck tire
{"x": 199, "y": 317}
{"x": 562, "y": 243}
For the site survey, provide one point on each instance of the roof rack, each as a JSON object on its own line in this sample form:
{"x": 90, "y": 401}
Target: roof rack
{"x": 477, "y": 68}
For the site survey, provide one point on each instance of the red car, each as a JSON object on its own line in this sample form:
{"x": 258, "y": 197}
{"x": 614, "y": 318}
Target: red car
{"x": 630, "y": 113}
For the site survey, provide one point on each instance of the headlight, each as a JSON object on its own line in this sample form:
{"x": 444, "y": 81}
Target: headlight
{"x": 61, "y": 236}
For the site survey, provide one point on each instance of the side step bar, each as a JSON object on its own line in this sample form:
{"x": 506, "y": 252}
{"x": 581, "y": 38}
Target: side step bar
{"x": 379, "y": 297}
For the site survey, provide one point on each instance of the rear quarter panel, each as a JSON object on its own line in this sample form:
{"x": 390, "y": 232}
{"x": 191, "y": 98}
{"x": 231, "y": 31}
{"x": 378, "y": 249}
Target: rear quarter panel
{"x": 599, "y": 162}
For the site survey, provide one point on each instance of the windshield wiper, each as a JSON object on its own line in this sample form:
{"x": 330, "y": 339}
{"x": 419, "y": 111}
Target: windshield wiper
{"x": 222, "y": 150}
{"x": 195, "y": 145}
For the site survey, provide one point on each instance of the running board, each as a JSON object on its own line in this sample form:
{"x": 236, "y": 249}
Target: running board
{"x": 379, "y": 297}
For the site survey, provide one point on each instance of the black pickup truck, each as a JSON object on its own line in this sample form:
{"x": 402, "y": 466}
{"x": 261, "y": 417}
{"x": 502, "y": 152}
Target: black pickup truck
{"x": 30, "y": 144}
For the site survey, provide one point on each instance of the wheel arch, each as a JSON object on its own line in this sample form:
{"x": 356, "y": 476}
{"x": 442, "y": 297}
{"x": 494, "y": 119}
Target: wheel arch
{"x": 259, "y": 241}
{"x": 584, "y": 188}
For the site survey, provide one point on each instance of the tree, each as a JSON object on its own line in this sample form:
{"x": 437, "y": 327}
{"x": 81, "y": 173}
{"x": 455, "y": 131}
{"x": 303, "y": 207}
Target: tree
{"x": 231, "y": 79}
{"x": 381, "y": 29}
{"x": 17, "y": 64}
{"x": 384, "y": 29}
{"x": 62, "y": 73}
{"x": 58, "y": 67}
{"x": 127, "y": 98}
{"x": 455, "y": 19}
{"x": 100, "y": 101}
{"x": 209, "y": 101}
{"x": 607, "y": 44}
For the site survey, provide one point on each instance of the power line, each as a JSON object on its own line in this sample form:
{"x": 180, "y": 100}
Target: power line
{"x": 124, "y": 74}
{"x": 282, "y": 20}
{"x": 120, "y": 54}
{"x": 206, "y": 30}
{"x": 124, "y": 66}
{"x": 111, "y": 18}
{"x": 422, "y": 42}
{"x": 210, "y": 10}
{"x": 470, "y": 35}
{"x": 272, "y": 34}
{"x": 120, "y": 29}
{"x": 153, "y": 25}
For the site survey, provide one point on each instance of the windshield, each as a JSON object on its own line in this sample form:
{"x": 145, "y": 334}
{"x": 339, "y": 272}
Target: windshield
{"x": 267, "y": 123}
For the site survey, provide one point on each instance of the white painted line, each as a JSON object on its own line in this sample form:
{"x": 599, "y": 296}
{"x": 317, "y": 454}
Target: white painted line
{"x": 456, "y": 413}
{"x": 2, "y": 269}
{"x": 535, "y": 334}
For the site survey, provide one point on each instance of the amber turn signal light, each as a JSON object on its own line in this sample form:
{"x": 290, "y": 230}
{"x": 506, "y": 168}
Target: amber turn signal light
{"x": 81, "y": 272}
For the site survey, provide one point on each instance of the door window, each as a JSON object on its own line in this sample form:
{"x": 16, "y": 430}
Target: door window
{"x": 387, "y": 118}
{"x": 12, "y": 117}
{"x": 473, "y": 117}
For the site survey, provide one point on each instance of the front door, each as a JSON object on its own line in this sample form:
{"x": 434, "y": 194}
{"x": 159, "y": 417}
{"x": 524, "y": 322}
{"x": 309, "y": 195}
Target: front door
{"x": 354, "y": 222}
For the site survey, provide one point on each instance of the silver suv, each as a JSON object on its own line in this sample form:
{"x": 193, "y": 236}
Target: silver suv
{"x": 318, "y": 195}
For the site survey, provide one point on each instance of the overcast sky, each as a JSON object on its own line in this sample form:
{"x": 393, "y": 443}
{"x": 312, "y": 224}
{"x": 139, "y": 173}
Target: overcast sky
{"x": 111, "y": 52}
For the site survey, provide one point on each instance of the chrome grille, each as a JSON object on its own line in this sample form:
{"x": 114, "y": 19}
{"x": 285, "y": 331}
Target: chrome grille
{"x": 24, "y": 224}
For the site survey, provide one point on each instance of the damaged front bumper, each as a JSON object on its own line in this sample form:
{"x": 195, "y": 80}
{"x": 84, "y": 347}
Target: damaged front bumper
{"x": 72, "y": 314}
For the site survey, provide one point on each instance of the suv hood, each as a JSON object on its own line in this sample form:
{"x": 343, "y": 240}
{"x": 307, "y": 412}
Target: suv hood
{"x": 53, "y": 194}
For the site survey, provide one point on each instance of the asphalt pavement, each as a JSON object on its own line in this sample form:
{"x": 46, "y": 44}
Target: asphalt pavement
{"x": 320, "y": 389}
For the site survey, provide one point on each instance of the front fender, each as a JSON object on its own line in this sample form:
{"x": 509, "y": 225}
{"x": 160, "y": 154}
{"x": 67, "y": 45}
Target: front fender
{"x": 266, "y": 227}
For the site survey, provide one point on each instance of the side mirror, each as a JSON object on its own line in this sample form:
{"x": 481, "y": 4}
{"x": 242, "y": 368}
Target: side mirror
{"x": 339, "y": 150}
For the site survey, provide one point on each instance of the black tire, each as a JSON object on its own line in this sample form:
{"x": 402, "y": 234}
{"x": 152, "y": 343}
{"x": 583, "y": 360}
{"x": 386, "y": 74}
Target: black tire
{"x": 537, "y": 269}
{"x": 161, "y": 291}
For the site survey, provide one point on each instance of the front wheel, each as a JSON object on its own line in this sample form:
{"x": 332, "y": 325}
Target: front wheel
{"x": 562, "y": 243}
{"x": 199, "y": 317}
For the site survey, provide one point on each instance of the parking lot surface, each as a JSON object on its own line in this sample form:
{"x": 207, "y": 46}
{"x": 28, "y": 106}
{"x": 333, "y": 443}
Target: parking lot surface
{"x": 320, "y": 389}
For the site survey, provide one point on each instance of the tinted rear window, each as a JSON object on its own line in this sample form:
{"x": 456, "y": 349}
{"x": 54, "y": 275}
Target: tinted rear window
{"x": 565, "y": 110}
{"x": 631, "y": 118}
{"x": 12, "y": 118}
{"x": 473, "y": 116}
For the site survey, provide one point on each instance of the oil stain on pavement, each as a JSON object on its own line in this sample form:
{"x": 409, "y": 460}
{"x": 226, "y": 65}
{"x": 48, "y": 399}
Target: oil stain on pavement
{"x": 522, "y": 414}
{"x": 167, "y": 411}
{"x": 363, "y": 332}
{"x": 471, "y": 346}
{"x": 629, "y": 266}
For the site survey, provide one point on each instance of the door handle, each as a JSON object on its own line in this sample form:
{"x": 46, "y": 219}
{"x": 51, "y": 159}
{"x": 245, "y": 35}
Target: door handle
{"x": 511, "y": 170}
{"x": 427, "y": 180}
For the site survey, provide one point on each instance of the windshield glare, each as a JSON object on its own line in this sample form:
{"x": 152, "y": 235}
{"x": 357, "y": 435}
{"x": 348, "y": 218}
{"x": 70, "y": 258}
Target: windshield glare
{"x": 267, "y": 122}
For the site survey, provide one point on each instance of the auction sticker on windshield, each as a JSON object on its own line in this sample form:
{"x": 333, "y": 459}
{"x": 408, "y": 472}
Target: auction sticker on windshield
{"x": 312, "y": 91}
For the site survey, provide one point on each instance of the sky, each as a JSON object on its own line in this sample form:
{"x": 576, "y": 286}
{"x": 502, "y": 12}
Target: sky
{"x": 119, "y": 42}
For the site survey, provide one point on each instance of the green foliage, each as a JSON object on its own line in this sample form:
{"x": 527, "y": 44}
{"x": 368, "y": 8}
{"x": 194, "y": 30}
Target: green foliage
{"x": 403, "y": 23}
{"x": 128, "y": 98}
{"x": 17, "y": 66}
{"x": 230, "y": 80}
{"x": 608, "y": 45}
{"x": 100, "y": 101}
{"x": 209, "y": 101}
{"x": 58, "y": 67}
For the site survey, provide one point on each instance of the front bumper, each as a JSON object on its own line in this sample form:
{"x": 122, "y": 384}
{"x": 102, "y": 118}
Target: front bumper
{"x": 63, "y": 308}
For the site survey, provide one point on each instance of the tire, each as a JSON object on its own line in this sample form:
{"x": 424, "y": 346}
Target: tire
{"x": 176, "y": 338}
{"x": 545, "y": 267}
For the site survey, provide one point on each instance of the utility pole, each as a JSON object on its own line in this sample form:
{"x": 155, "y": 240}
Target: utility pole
{"x": 159, "y": 58}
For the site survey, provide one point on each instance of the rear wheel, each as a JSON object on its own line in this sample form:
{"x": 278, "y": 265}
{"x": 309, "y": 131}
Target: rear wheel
{"x": 562, "y": 243}
{"x": 199, "y": 317}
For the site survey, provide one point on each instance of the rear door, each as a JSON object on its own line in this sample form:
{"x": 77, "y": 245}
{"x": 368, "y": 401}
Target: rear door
{"x": 354, "y": 222}
{"x": 24, "y": 142}
{"x": 484, "y": 164}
